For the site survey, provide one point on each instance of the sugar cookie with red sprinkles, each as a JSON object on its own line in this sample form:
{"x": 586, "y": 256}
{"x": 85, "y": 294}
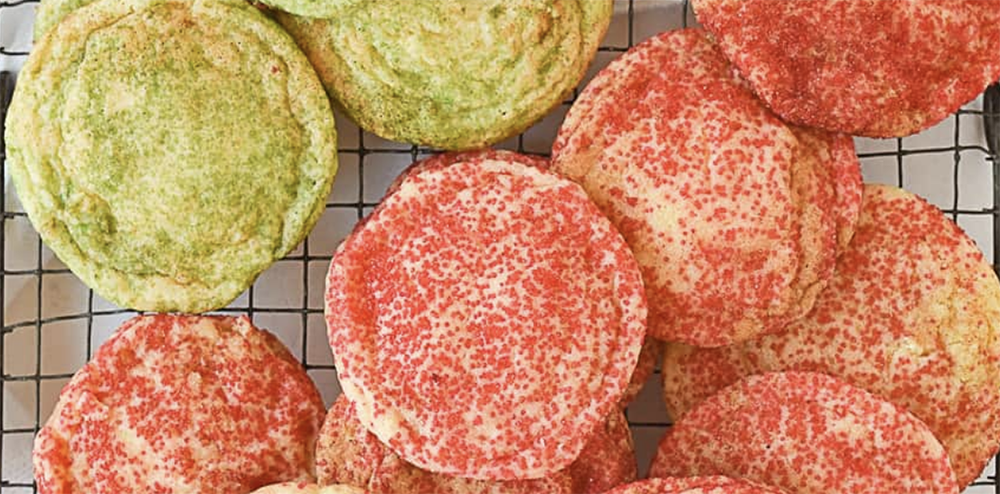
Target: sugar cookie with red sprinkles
{"x": 886, "y": 68}
{"x": 307, "y": 488}
{"x": 485, "y": 318}
{"x": 178, "y": 405}
{"x": 734, "y": 216}
{"x": 806, "y": 433}
{"x": 650, "y": 355}
{"x": 347, "y": 453}
{"x": 695, "y": 485}
{"x": 912, "y": 315}
{"x": 608, "y": 459}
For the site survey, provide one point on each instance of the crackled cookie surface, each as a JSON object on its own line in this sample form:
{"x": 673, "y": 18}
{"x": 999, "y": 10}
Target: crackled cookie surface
{"x": 912, "y": 315}
{"x": 452, "y": 74}
{"x": 806, "y": 433}
{"x": 485, "y": 319}
{"x": 882, "y": 68}
{"x": 181, "y": 404}
{"x": 734, "y": 216}
{"x": 169, "y": 151}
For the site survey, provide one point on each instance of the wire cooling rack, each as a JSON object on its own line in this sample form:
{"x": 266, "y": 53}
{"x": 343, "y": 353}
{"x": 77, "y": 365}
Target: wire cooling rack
{"x": 51, "y": 323}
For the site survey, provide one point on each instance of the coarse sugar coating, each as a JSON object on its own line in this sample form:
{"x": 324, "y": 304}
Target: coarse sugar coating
{"x": 608, "y": 459}
{"x": 347, "y": 453}
{"x": 912, "y": 315}
{"x": 734, "y": 216}
{"x": 886, "y": 68}
{"x": 695, "y": 485}
{"x": 455, "y": 75}
{"x": 307, "y": 488}
{"x": 179, "y": 405}
{"x": 806, "y": 433}
{"x": 169, "y": 151}
{"x": 652, "y": 350}
{"x": 485, "y": 319}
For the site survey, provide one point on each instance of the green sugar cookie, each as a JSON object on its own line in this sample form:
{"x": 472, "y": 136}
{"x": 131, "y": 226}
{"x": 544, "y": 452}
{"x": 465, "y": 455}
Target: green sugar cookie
{"x": 169, "y": 151}
{"x": 50, "y": 12}
{"x": 449, "y": 74}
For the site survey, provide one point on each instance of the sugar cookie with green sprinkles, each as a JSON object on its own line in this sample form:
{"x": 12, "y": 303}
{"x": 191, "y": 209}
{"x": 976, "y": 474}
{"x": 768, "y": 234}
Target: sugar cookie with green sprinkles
{"x": 452, "y": 74}
{"x": 169, "y": 151}
{"x": 50, "y": 12}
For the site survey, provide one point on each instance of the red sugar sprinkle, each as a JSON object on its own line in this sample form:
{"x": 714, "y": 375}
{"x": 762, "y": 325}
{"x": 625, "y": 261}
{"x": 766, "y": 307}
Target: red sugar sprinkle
{"x": 695, "y": 485}
{"x": 347, "y": 453}
{"x": 912, "y": 315}
{"x": 651, "y": 353}
{"x": 734, "y": 216}
{"x": 181, "y": 404}
{"x": 806, "y": 433}
{"x": 884, "y": 68}
{"x": 484, "y": 318}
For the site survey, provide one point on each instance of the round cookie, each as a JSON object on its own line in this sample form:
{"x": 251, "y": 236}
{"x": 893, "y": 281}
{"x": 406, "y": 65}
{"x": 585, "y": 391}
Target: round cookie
{"x": 880, "y": 69}
{"x": 695, "y": 485}
{"x": 912, "y": 315}
{"x": 521, "y": 338}
{"x": 734, "y": 216}
{"x": 307, "y": 488}
{"x": 452, "y": 74}
{"x": 169, "y": 151}
{"x": 180, "y": 404}
{"x": 806, "y": 433}
{"x": 346, "y": 452}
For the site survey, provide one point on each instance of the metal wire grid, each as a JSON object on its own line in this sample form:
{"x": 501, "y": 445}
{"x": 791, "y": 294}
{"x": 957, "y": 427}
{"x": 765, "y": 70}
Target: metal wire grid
{"x": 384, "y": 159}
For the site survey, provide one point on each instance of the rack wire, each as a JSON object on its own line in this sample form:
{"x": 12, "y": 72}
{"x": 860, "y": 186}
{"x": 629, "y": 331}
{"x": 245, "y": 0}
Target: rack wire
{"x": 40, "y": 323}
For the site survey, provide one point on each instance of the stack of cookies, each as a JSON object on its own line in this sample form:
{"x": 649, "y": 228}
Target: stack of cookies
{"x": 491, "y": 319}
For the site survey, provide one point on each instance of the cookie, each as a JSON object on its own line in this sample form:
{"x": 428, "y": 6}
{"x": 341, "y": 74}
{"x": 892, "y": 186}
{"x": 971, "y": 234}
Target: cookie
{"x": 452, "y": 74}
{"x": 806, "y": 433}
{"x": 347, "y": 452}
{"x": 170, "y": 151}
{"x": 912, "y": 315}
{"x": 608, "y": 459}
{"x": 880, "y": 69}
{"x": 734, "y": 216}
{"x": 306, "y": 488}
{"x": 695, "y": 485}
{"x": 181, "y": 404}
{"x": 651, "y": 349}
{"x": 50, "y": 12}
{"x": 648, "y": 357}
{"x": 484, "y": 319}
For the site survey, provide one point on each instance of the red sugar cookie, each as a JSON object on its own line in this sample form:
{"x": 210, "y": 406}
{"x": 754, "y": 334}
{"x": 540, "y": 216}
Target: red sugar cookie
{"x": 695, "y": 485}
{"x": 886, "y": 68}
{"x": 734, "y": 216}
{"x": 347, "y": 453}
{"x": 806, "y": 433}
{"x": 181, "y": 404}
{"x": 648, "y": 357}
{"x": 608, "y": 459}
{"x": 485, "y": 318}
{"x": 912, "y": 315}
